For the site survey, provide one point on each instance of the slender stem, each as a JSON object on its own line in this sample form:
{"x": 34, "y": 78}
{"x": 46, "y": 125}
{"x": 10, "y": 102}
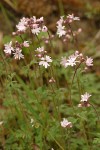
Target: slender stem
{"x": 85, "y": 135}
{"x": 72, "y": 84}
{"x": 57, "y": 142}
{"x": 74, "y": 39}
{"x": 95, "y": 110}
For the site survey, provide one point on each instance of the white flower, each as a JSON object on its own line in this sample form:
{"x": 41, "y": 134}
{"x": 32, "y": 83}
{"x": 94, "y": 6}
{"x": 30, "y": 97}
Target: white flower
{"x": 8, "y": 48}
{"x": 60, "y": 21}
{"x": 26, "y": 44}
{"x": 36, "y": 29}
{"x": 45, "y": 61}
{"x": 85, "y": 97}
{"x": 65, "y": 123}
{"x": 89, "y": 61}
{"x": 61, "y": 31}
{"x": 71, "y": 18}
{"x": 60, "y": 28}
{"x": 40, "y": 49}
{"x": 72, "y": 60}
{"x": 18, "y": 54}
{"x": 22, "y": 24}
{"x": 64, "y": 62}
{"x": 41, "y": 19}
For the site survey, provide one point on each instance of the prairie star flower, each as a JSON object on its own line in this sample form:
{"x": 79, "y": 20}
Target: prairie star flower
{"x": 40, "y": 49}
{"x": 36, "y": 29}
{"x": 84, "y": 100}
{"x": 64, "y": 62}
{"x": 45, "y": 61}
{"x": 65, "y": 123}
{"x": 60, "y": 28}
{"x": 72, "y": 60}
{"x": 8, "y": 48}
{"x": 85, "y": 97}
{"x": 22, "y": 24}
{"x": 89, "y": 61}
{"x": 71, "y": 18}
{"x": 18, "y": 54}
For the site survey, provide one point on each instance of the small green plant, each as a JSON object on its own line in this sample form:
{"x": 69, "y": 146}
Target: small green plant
{"x": 46, "y": 96}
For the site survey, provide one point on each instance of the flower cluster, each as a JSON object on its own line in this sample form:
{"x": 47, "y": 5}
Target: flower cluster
{"x": 15, "y": 50}
{"x": 71, "y": 18}
{"x": 84, "y": 100}
{"x": 60, "y": 28}
{"x": 65, "y": 123}
{"x": 62, "y": 31}
{"x": 44, "y": 59}
{"x": 75, "y": 59}
{"x": 30, "y": 24}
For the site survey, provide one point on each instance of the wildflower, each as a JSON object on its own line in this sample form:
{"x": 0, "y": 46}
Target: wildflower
{"x": 64, "y": 62}
{"x": 8, "y": 48}
{"x": 41, "y": 19}
{"x": 45, "y": 61}
{"x": 89, "y": 61}
{"x": 40, "y": 49}
{"x": 71, "y": 18}
{"x": 84, "y": 100}
{"x": 36, "y": 29}
{"x": 26, "y": 44}
{"x": 65, "y": 123}
{"x": 22, "y": 24}
{"x": 60, "y": 28}
{"x": 72, "y": 60}
{"x": 18, "y": 54}
{"x": 85, "y": 97}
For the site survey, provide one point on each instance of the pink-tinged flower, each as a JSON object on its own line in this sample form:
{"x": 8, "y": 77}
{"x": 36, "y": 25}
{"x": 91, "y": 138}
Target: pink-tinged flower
{"x": 41, "y": 19}
{"x": 26, "y": 44}
{"x": 85, "y": 97}
{"x": 18, "y": 54}
{"x": 45, "y": 61}
{"x": 36, "y": 29}
{"x": 84, "y": 100}
{"x": 8, "y": 48}
{"x": 71, "y": 18}
{"x": 64, "y": 62}
{"x": 60, "y": 28}
{"x": 72, "y": 60}
{"x": 22, "y": 24}
{"x": 65, "y": 123}
{"x": 89, "y": 61}
{"x": 40, "y": 49}
{"x": 44, "y": 29}
{"x": 61, "y": 31}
